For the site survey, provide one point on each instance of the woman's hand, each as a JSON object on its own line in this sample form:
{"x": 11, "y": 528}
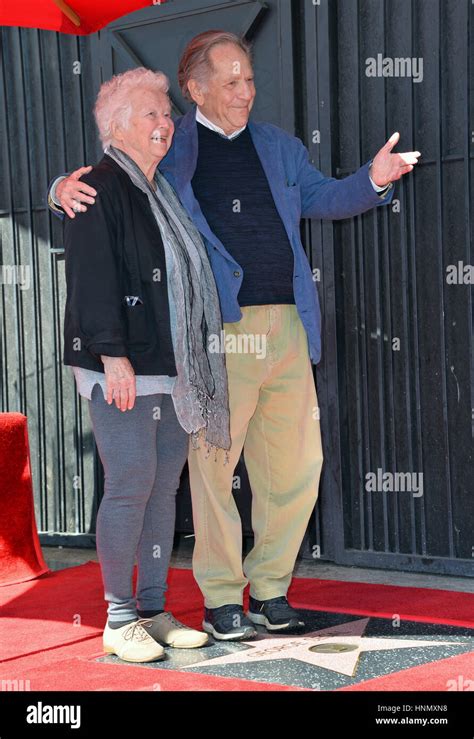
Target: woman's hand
{"x": 120, "y": 382}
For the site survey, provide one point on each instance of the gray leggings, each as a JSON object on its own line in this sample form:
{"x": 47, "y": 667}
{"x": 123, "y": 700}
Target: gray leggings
{"x": 143, "y": 452}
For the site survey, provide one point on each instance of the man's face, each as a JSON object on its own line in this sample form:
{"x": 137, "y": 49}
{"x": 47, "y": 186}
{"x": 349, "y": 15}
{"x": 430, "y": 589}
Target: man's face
{"x": 230, "y": 92}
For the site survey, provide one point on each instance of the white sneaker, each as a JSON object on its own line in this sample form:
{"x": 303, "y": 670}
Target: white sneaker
{"x": 132, "y": 643}
{"x": 166, "y": 629}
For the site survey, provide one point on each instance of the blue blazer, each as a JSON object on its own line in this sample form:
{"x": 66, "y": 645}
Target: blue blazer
{"x": 299, "y": 191}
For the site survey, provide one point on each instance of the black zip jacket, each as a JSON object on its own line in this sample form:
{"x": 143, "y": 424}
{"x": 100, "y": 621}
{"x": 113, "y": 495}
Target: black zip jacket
{"x": 114, "y": 258}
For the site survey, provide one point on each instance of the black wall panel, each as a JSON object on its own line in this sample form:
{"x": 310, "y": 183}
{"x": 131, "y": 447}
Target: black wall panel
{"x": 396, "y": 379}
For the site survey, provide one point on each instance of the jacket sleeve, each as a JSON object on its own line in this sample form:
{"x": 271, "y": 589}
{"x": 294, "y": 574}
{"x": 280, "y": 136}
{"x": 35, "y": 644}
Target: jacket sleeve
{"x": 54, "y": 208}
{"x": 93, "y": 276}
{"x": 330, "y": 198}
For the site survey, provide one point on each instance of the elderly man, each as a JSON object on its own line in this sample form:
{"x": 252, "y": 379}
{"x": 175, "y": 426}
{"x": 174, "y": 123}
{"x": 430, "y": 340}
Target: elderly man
{"x": 246, "y": 186}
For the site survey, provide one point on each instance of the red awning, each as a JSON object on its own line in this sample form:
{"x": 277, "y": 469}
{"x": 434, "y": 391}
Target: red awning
{"x": 68, "y": 16}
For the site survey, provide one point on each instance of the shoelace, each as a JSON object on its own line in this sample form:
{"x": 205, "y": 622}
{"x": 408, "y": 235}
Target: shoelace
{"x": 136, "y": 630}
{"x": 278, "y": 605}
{"x": 174, "y": 620}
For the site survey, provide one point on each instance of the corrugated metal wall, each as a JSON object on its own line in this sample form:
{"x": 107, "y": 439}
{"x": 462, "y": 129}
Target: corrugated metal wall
{"x": 394, "y": 406}
{"x": 398, "y": 369}
{"x": 44, "y": 103}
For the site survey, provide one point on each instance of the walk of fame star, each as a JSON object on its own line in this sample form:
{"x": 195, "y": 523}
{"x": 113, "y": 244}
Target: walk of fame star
{"x": 339, "y": 650}
{"x": 341, "y": 647}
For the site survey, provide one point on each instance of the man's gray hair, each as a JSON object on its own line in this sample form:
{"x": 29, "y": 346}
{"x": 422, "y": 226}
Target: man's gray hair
{"x": 113, "y": 101}
{"x": 195, "y": 62}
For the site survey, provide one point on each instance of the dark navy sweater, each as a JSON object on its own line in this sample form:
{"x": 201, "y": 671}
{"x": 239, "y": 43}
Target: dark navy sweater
{"x": 231, "y": 187}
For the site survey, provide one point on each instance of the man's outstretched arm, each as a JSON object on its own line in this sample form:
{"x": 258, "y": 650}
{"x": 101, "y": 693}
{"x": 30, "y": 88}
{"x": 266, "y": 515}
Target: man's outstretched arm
{"x": 330, "y": 198}
{"x": 68, "y": 194}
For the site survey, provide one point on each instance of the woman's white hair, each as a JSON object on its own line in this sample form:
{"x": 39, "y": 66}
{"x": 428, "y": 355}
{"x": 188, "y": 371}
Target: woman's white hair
{"x": 113, "y": 101}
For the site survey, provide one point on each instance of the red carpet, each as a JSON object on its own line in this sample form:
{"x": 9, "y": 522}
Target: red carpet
{"x": 20, "y": 552}
{"x": 51, "y": 644}
{"x": 51, "y": 628}
{"x": 437, "y": 676}
{"x": 367, "y": 599}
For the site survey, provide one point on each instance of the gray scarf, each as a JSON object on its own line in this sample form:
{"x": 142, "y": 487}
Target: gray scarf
{"x": 200, "y": 392}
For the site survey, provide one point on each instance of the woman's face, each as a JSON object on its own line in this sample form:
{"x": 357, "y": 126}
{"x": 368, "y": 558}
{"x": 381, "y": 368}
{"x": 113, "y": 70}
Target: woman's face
{"x": 150, "y": 129}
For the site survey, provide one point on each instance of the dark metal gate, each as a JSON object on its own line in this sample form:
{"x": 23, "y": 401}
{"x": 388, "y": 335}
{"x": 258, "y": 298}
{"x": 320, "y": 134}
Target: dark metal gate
{"x": 395, "y": 383}
{"x": 45, "y": 101}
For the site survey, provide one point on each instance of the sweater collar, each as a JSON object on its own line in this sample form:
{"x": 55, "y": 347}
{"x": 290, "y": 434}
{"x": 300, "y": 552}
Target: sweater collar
{"x": 201, "y": 118}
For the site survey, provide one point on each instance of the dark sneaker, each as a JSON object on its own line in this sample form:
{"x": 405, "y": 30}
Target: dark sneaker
{"x": 275, "y": 614}
{"x": 228, "y": 623}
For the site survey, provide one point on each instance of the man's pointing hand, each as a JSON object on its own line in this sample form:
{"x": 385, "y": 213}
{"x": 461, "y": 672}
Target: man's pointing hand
{"x": 388, "y": 167}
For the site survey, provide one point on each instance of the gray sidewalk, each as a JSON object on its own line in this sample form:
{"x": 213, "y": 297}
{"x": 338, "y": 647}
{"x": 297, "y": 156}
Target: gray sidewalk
{"x": 59, "y": 558}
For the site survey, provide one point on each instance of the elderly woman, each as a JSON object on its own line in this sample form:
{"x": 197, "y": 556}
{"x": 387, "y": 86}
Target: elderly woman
{"x": 141, "y": 302}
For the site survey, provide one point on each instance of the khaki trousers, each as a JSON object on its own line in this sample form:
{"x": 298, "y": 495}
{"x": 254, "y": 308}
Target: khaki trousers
{"x": 275, "y": 419}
